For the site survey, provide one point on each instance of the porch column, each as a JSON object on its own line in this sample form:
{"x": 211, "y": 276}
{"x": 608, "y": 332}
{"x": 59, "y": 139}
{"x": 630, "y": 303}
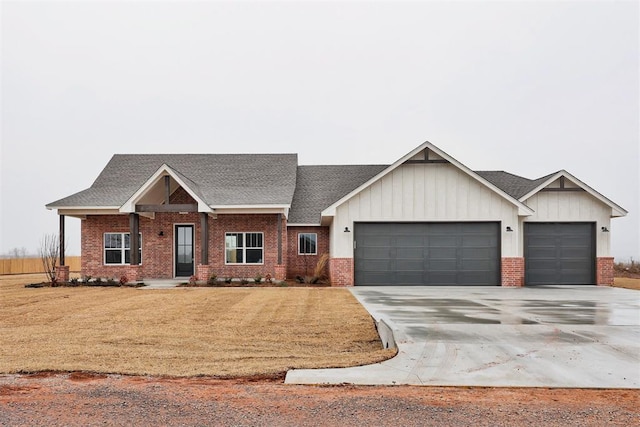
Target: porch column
{"x": 61, "y": 271}
{"x": 279, "y": 239}
{"x": 204, "y": 238}
{"x": 134, "y": 227}
{"x": 61, "y": 240}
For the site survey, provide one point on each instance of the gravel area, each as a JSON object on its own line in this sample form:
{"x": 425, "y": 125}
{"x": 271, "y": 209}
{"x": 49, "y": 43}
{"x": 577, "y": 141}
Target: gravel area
{"x": 57, "y": 399}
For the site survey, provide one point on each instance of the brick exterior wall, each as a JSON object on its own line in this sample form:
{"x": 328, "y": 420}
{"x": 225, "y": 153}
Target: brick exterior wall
{"x": 604, "y": 271}
{"x": 157, "y": 251}
{"x": 341, "y": 271}
{"x": 303, "y": 265}
{"x": 513, "y": 271}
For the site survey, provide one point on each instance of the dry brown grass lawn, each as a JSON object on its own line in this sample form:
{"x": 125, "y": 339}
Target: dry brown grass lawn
{"x": 627, "y": 282}
{"x": 182, "y": 332}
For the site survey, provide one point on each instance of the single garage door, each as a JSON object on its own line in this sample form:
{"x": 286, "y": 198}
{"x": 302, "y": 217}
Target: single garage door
{"x": 427, "y": 253}
{"x": 559, "y": 253}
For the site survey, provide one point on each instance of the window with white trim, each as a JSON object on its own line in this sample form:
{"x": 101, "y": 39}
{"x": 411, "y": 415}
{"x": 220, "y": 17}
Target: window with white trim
{"x": 307, "y": 243}
{"x": 244, "y": 248}
{"x": 117, "y": 248}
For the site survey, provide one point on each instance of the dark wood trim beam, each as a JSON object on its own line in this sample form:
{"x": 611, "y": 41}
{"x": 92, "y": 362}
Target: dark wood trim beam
{"x": 563, "y": 189}
{"x": 204, "y": 238}
{"x": 134, "y": 230}
{"x": 167, "y": 189}
{"x": 414, "y": 162}
{"x": 279, "y": 238}
{"x": 61, "y": 240}
{"x": 167, "y": 208}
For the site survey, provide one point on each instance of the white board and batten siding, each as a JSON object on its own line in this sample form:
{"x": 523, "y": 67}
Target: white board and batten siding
{"x": 425, "y": 193}
{"x": 567, "y": 206}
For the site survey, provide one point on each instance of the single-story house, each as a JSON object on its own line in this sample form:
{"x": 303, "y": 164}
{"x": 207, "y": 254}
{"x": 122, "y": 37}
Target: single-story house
{"x": 426, "y": 219}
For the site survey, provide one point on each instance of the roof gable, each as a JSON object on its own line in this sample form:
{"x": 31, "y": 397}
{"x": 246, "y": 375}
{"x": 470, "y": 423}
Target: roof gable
{"x": 188, "y": 185}
{"x": 429, "y": 153}
{"x": 546, "y": 182}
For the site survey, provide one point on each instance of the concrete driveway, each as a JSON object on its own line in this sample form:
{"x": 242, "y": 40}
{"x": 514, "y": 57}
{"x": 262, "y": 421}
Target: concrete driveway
{"x": 547, "y": 336}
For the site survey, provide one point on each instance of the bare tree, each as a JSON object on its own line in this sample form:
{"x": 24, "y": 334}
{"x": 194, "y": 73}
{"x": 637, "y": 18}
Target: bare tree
{"x": 49, "y": 253}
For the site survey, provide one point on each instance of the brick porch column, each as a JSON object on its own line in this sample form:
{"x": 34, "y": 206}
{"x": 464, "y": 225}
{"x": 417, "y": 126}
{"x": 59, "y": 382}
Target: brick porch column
{"x": 204, "y": 271}
{"x": 604, "y": 271}
{"x": 280, "y": 272}
{"x": 62, "y": 273}
{"x": 513, "y": 271}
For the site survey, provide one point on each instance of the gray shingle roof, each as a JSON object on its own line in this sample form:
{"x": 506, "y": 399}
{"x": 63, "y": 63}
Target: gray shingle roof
{"x": 318, "y": 187}
{"x": 252, "y": 179}
{"x": 514, "y": 185}
{"x": 220, "y": 179}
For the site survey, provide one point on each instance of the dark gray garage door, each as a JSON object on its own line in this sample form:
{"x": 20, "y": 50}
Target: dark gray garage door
{"x": 427, "y": 253}
{"x": 559, "y": 253}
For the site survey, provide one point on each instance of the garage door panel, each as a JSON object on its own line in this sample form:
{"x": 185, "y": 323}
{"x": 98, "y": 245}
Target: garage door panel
{"x": 428, "y": 254}
{"x": 559, "y": 253}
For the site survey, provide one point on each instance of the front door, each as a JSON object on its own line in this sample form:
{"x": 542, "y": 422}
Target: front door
{"x": 184, "y": 250}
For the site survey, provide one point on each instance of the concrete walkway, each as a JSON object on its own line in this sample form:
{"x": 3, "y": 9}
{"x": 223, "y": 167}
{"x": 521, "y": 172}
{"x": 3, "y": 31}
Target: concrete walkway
{"x": 162, "y": 283}
{"x": 552, "y": 336}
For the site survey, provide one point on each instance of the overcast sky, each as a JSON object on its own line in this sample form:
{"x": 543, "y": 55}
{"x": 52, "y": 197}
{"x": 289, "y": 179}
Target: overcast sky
{"x": 527, "y": 87}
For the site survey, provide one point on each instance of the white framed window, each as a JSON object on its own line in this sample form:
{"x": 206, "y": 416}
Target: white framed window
{"x": 244, "y": 248}
{"x": 117, "y": 248}
{"x": 307, "y": 243}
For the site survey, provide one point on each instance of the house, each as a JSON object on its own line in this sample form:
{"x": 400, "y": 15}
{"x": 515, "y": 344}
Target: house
{"x": 426, "y": 219}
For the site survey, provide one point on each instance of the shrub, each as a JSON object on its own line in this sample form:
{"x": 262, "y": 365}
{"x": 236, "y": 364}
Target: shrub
{"x": 86, "y": 279}
{"x": 74, "y": 281}
{"x": 228, "y": 280}
{"x": 244, "y": 281}
{"x": 98, "y": 281}
{"x": 257, "y": 278}
{"x": 124, "y": 280}
{"x": 193, "y": 280}
{"x": 268, "y": 278}
{"x": 111, "y": 281}
{"x": 213, "y": 279}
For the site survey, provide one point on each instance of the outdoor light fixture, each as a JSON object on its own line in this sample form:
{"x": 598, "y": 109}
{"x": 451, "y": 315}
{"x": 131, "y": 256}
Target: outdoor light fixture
{"x": 604, "y": 229}
{"x": 346, "y": 230}
{"x": 509, "y": 228}
{"x": 161, "y": 233}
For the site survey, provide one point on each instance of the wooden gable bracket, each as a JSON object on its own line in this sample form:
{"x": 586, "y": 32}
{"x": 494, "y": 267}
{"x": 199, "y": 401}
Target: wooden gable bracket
{"x": 562, "y": 187}
{"x": 427, "y": 159}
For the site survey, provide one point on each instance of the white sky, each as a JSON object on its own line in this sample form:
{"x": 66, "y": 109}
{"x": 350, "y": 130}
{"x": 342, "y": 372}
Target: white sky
{"x": 527, "y": 87}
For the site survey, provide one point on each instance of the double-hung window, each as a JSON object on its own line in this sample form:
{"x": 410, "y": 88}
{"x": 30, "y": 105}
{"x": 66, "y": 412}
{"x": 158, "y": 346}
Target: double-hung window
{"x": 117, "y": 248}
{"x": 244, "y": 248}
{"x": 307, "y": 244}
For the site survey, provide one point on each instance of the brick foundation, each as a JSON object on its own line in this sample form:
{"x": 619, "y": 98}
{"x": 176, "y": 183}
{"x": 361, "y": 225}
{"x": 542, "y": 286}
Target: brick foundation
{"x": 604, "y": 271}
{"x": 513, "y": 271}
{"x": 341, "y": 271}
{"x": 62, "y": 273}
{"x": 134, "y": 273}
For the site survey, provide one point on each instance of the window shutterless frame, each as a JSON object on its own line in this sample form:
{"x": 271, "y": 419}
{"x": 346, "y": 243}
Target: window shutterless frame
{"x": 244, "y": 248}
{"x": 116, "y": 248}
{"x": 307, "y": 243}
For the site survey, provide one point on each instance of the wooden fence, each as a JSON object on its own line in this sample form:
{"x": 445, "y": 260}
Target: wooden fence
{"x": 33, "y": 265}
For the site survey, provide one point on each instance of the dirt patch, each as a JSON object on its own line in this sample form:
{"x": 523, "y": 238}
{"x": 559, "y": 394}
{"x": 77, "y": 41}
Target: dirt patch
{"x": 118, "y": 400}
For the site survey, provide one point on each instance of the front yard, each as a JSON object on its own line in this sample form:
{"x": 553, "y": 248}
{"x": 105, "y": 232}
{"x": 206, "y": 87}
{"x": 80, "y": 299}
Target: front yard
{"x": 222, "y": 332}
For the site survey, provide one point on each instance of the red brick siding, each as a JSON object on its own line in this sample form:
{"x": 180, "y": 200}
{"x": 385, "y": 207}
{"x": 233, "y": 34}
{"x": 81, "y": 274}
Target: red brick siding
{"x": 604, "y": 271}
{"x": 303, "y": 265}
{"x": 513, "y": 271}
{"x": 265, "y": 223}
{"x": 341, "y": 271}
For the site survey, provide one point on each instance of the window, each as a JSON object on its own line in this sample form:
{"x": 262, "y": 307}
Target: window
{"x": 117, "y": 248}
{"x": 244, "y": 248}
{"x": 307, "y": 243}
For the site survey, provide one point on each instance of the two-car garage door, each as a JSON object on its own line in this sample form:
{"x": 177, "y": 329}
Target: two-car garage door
{"x": 463, "y": 253}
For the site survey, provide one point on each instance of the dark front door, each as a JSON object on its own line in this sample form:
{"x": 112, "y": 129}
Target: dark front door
{"x": 184, "y": 250}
